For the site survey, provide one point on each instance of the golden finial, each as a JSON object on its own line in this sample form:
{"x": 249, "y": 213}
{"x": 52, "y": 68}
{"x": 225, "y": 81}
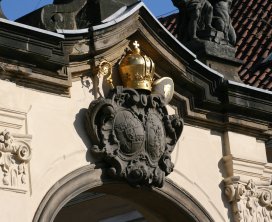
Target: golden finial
{"x": 136, "y": 47}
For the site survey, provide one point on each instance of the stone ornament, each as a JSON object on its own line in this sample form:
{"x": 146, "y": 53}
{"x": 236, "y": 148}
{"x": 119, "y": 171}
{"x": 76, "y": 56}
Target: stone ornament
{"x": 205, "y": 20}
{"x": 14, "y": 156}
{"x": 250, "y": 202}
{"x": 105, "y": 69}
{"x": 73, "y": 14}
{"x": 2, "y": 15}
{"x": 133, "y": 133}
{"x": 130, "y": 129}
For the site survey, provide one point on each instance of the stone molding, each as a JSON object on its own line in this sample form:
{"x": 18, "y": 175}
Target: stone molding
{"x": 14, "y": 120}
{"x": 249, "y": 202}
{"x": 89, "y": 178}
{"x": 247, "y": 169}
{"x": 15, "y": 155}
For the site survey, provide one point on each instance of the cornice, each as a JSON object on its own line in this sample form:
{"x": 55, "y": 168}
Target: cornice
{"x": 210, "y": 100}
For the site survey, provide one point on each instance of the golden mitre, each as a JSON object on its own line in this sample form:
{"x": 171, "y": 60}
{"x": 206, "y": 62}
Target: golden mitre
{"x": 137, "y": 70}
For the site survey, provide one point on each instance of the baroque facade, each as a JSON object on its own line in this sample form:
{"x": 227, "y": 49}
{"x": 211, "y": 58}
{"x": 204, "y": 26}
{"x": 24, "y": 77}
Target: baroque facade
{"x": 106, "y": 116}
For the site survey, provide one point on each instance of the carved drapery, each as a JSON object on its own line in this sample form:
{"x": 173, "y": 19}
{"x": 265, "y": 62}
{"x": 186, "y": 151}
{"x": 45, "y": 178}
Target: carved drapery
{"x": 249, "y": 202}
{"x": 14, "y": 158}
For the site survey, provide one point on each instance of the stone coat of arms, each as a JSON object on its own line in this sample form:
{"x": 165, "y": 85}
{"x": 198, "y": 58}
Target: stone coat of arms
{"x": 131, "y": 130}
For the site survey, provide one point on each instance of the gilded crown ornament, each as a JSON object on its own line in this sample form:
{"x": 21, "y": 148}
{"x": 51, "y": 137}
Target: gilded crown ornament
{"x": 137, "y": 70}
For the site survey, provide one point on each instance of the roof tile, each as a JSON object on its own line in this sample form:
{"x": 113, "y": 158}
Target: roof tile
{"x": 252, "y": 21}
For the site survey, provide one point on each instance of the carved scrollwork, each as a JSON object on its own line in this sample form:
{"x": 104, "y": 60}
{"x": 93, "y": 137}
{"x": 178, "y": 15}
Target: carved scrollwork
{"x": 250, "y": 202}
{"x": 132, "y": 132}
{"x": 14, "y": 155}
{"x": 105, "y": 69}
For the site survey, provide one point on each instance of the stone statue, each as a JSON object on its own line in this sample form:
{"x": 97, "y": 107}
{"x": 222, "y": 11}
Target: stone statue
{"x": 73, "y": 14}
{"x": 197, "y": 14}
{"x": 222, "y": 21}
{"x": 205, "y": 20}
{"x": 2, "y": 15}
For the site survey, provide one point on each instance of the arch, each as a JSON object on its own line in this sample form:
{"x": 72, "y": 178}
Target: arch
{"x": 175, "y": 200}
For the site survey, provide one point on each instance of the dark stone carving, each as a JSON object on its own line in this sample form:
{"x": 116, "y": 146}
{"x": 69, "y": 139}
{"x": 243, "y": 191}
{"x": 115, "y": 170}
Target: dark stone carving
{"x": 222, "y": 21}
{"x": 2, "y": 15}
{"x": 205, "y": 20}
{"x": 195, "y": 16}
{"x": 73, "y": 14}
{"x": 133, "y": 133}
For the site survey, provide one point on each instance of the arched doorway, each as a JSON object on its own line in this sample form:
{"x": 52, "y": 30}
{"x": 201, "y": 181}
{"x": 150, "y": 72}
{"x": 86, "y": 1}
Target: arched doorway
{"x": 90, "y": 189}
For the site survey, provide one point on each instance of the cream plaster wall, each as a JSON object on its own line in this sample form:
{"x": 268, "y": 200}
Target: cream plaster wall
{"x": 248, "y": 158}
{"x": 199, "y": 169}
{"x": 54, "y": 123}
{"x": 59, "y": 145}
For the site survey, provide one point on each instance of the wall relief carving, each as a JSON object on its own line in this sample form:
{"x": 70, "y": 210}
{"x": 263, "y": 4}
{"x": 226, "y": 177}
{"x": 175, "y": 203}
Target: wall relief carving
{"x": 14, "y": 158}
{"x": 249, "y": 202}
{"x": 130, "y": 129}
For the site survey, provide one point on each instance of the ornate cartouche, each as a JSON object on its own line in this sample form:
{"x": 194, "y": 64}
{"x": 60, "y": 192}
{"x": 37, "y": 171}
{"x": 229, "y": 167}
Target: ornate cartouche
{"x": 131, "y": 130}
{"x": 137, "y": 70}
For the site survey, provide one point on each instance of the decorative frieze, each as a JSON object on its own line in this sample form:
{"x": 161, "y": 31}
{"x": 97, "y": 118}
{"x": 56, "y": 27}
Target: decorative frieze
{"x": 249, "y": 202}
{"x": 14, "y": 157}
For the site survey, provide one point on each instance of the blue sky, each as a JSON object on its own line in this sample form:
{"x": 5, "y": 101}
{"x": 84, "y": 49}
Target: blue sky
{"x": 17, "y": 8}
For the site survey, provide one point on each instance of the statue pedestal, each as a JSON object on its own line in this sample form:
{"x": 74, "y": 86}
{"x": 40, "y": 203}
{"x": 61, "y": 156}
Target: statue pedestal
{"x": 218, "y": 57}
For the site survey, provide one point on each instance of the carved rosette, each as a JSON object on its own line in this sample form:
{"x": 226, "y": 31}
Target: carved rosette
{"x": 250, "y": 202}
{"x": 14, "y": 156}
{"x": 132, "y": 132}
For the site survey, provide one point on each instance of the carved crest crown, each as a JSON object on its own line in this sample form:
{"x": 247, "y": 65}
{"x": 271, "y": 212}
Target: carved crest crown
{"x": 137, "y": 70}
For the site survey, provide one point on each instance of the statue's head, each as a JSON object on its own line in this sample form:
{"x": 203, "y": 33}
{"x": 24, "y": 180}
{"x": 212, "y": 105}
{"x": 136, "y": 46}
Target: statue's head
{"x": 62, "y": 1}
{"x": 178, "y": 3}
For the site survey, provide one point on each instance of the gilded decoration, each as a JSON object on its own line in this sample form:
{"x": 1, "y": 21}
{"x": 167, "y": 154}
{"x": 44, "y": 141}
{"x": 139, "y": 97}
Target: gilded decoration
{"x": 14, "y": 157}
{"x": 249, "y": 202}
{"x": 137, "y": 70}
{"x": 105, "y": 69}
{"x": 130, "y": 129}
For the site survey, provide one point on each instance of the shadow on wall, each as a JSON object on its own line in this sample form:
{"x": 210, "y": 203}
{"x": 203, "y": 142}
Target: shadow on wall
{"x": 269, "y": 151}
{"x": 222, "y": 188}
{"x": 79, "y": 125}
{"x": 222, "y": 170}
{"x": 224, "y": 174}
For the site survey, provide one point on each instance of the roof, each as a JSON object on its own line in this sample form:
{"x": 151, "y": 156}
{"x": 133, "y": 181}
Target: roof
{"x": 252, "y": 21}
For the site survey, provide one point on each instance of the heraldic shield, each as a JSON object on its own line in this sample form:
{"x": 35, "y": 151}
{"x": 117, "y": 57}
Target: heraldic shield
{"x": 132, "y": 132}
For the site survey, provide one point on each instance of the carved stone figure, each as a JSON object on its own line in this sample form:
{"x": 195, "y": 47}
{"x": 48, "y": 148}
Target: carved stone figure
{"x": 222, "y": 21}
{"x": 2, "y": 15}
{"x": 73, "y": 14}
{"x": 205, "y": 20}
{"x": 197, "y": 14}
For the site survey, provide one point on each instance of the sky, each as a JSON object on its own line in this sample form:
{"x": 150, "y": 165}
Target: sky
{"x": 14, "y": 9}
